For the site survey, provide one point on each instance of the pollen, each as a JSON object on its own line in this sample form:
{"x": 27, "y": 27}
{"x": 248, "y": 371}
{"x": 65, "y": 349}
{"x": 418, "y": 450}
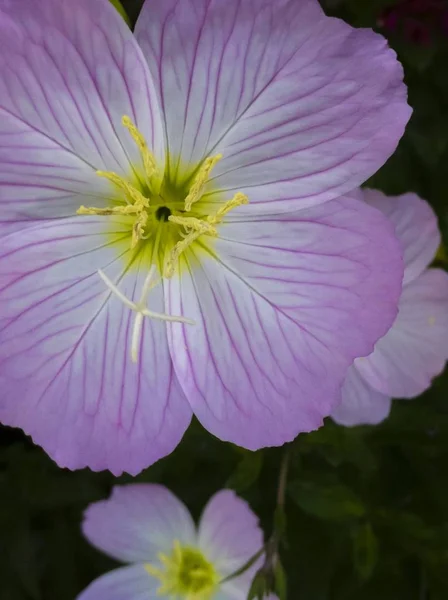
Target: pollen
{"x": 185, "y": 573}
{"x": 203, "y": 175}
{"x": 195, "y": 228}
{"x": 149, "y": 161}
{"x": 168, "y": 216}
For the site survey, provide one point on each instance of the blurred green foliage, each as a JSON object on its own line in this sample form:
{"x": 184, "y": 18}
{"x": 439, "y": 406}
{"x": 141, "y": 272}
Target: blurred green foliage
{"x": 366, "y": 513}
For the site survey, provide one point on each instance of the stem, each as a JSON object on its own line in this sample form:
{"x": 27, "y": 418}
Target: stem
{"x": 270, "y": 549}
{"x": 282, "y": 479}
{"x": 246, "y": 565}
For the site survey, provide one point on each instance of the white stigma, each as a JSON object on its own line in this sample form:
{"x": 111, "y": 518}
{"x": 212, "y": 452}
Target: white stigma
{"x": 140, "y": 309}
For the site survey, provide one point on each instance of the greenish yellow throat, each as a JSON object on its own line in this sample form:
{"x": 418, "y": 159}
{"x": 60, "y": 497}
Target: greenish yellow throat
{"x": 165, "y": 218}
{"x": 156, "y": 202}
{"x": 185, "y": 574}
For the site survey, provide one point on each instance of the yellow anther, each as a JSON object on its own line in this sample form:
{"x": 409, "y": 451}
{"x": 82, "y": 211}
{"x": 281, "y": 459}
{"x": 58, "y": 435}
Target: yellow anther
{"x": 177, "y": 251}
{"x": 132, "y": 195}
{"x": 185, "y": 573}
{"x": 200, "y": 180}
{"x": 197, "y": 227}
{"x": 152, "y": 570}
{"x": 238, "y": 200}
{"x": 116, "y": 210}
{"x": 149, "y": 161}
{"x": 138, "y": 229}
{"x": 193, "y": 224}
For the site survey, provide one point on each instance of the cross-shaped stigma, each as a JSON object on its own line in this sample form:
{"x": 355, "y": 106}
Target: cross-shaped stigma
{"x": 140, "y": 308}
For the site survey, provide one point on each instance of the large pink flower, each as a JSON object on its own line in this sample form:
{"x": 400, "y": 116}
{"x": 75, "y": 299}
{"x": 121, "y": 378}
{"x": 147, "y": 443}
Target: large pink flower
{"x": 197, "y": 166}
{"x": 415, "y": 349}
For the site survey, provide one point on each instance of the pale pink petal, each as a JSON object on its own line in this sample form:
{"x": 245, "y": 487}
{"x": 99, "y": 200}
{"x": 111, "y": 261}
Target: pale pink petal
{"x": 415, "y": 224}
{"x": 236, "y": 589}
{"x": 280, "y": 314}
{"x": 302, "y": 107}
{"x": 127, "y": 583}
{"x": 415, "y": 349}
{"x": 137, "y": 522}
{"x": 361, "y": 404}
{"x": 66, "y": 375}
{"x": 69, "y": 71}
{"x": 229, "y": 532}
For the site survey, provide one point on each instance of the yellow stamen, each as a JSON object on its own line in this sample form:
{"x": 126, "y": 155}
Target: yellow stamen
{"x": 154, "y": 571}
{"x": 177, "y": 550}
{"x": 200, "y": 180}
{"x": 132, "y": 195}
{"x": 177, "y": 251}
{"x": 193, "y": 224}
{"x": 189, "y": 229}
{"x": 138, "y": 229}
{"x": 196, "y": 227}
{"x": 238, "y": 200}
{"x": 149, "y": 161}
{"x": 185, "y": 573}
{"x": 129, "y": 209}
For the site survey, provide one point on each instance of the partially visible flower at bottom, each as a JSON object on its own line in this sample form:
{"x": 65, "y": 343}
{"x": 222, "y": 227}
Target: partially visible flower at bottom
{"x": 146, "y": 526}
{"x": 415, "y": 349}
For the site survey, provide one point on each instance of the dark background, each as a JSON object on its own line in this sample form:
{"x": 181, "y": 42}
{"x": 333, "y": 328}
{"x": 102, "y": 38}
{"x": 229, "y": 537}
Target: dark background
{"x": 366, "y": 508}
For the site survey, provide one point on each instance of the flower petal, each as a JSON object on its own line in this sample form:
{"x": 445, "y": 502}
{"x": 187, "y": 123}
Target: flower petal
{"x": 69, "y": 71}
{"x": 237, "y": 589}
{"x": 137, "y": 522}
{"x": 229, "y": 533}
{"x": 416, "y": 227}
{"x": 302, "y": 107}
{"x": 66, "y": 375}
{"x": 361, "y": 404}
{"x": 127, "y": 583}
{"x": 281, "y": 313}
{"x": 415, "y": 349}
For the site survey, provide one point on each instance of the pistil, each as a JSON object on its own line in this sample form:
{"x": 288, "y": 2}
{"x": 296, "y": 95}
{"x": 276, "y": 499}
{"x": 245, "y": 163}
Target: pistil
{"x": 140, "y": 309}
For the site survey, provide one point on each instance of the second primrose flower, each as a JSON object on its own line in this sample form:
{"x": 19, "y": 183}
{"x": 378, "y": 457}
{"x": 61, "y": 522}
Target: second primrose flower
{"x": 175, "y": 239}
{"x": 167, "y": 555}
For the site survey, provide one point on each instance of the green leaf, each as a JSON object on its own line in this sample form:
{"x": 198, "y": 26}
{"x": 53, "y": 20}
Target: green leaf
{"x": 247, "y": 471}
{"x": 117, "y": 4}
{"x": 327, "y": 501}
{"x": 280, "y": 581}
{"x": 259, "y": 588}
{"x": 365, "y": 550}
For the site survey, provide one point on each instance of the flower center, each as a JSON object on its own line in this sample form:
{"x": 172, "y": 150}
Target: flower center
{"x": 155, "y": 203}
{"x": 185, "y": 573}
{"x": 163, "y": 213}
